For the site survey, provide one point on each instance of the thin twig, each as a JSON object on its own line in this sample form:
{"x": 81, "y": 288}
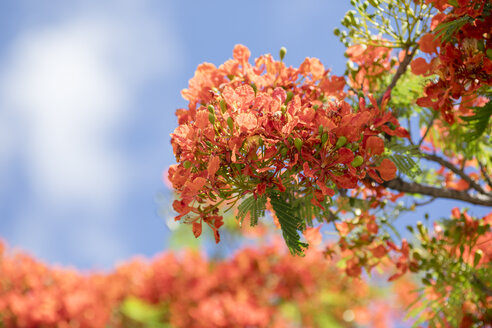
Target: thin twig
{"x": 427, "y": 202}
{"x": 399, "y": 72}
{"x": 455, "y": 170}
{"x": 485, "y": 174}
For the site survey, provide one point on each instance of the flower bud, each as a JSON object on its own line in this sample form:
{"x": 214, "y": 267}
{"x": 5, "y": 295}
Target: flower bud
{"x": 290, "y": 94}
{"x": 324, "y": 138}
{"x": 357, "y": 161}
{"x": 255, "y": 89}
{"x": 341, "y": 141}
{"x": 211, "y": 109}
{"x": 477, "y": 257}
{"x": 230, "y": 123}
{"x": 298, "y": 144}
{"x": 223, "y": 106}
{"x": 282, "y": 53}
{"x": 187, "y": 164}
{"x": 211, "y": 118}
{"x": 489, "y": 53}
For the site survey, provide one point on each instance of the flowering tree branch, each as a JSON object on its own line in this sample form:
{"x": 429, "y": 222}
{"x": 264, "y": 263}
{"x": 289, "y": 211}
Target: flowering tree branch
{"x": 416, "y": 188}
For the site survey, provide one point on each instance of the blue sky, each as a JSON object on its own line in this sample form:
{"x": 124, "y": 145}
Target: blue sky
{"x": 88, "y": 92}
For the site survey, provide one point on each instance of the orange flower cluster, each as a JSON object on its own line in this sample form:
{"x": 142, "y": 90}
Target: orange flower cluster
{"x": 360, "y": 242}
{"x": 254, "y": 129}
{"x": 373, "y": 62}
{"x": 252, "y": 289}
{"x": 34, "y": 295}
{"x": 462, "y": 61}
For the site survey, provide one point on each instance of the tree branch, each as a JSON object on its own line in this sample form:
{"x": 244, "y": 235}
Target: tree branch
{"x": 427, "y": 202}
{"x": 399, "y": 184}
{"x": 399, "y": 72}
{"x": 485, "y": 174}
{"x": 456, "y": 170}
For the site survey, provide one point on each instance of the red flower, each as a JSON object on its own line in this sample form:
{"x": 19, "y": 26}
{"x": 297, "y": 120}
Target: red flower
{"x": 387, "y": 170}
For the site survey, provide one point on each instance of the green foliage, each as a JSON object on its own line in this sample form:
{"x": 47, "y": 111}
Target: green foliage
{"x": 255, "y": 206}
{"x": 479, "y": 122}
{"x": 458, "y": 142}
{"x": 446, "y": 30}
{"x": 403, "y": 95}
{"x": 303, "y": 208}
{"x": 142, "y": 314}
{"x": 289, "y": 223}
{"x": 403, "y": 157}
{"x": 448, "y": 265}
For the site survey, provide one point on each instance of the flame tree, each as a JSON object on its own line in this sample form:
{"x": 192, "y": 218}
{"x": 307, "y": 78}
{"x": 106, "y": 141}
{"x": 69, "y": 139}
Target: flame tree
{"x": 409, "y": 118}
{"x": 408, "y": 123}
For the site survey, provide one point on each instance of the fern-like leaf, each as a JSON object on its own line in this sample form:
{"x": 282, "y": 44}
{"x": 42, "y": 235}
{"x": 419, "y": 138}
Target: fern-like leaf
{"x": 448, "y": 29}
{"x": 303, "y": 208}
{"x": 478, "y": 123}
{"x": 289, "y": 223}
{"x": 403, "y": 157}
{"x": 254, "y": 206}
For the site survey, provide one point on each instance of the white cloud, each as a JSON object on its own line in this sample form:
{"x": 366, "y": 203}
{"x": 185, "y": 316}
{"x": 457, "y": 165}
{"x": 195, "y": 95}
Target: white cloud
{"x": 67, "y": 101}
{"x": 67, "y": 91}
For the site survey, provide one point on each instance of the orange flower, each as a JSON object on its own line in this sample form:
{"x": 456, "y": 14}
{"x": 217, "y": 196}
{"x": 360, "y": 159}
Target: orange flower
{"x": 374, "y": 145}
{"x": 387, "y": 170}
{"x": 428, "y": 43}
{"x": 420, "y": 66}
{"x": 312, "y": 67}
{"x": 213, "y": 166}
{"x": 246, "y": 121}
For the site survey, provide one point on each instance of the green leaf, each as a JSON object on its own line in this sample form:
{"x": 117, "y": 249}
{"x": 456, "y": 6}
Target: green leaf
{"x": 289, "y": 223}
{"x": 303, "y": 208}
{"x": 254, "y": 206}
{"x": 403, "y": 157}
{"x": 448, "y": 29}
{"x": 149, "y": 315}
{"x": 405, "y": 93}
{"x": 478, "y": 123}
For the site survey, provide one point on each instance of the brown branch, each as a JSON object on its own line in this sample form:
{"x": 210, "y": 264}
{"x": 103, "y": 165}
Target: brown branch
{"x": 485, "y": 174}
{"x": 456, "y": 170}
{"x": 399, "y": 72}
{"x": 427, "y": 202}
{"x": 399, "y": 184}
